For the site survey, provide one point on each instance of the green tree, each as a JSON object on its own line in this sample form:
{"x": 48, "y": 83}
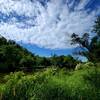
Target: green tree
{"x": 90, "y": 48}
{"x": 11, "y": 54}
{"x": 27, "y": 63}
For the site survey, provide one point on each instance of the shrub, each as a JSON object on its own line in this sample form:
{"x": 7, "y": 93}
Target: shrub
{"x": 84, "y": 66}
{"x": 53, "y": 84}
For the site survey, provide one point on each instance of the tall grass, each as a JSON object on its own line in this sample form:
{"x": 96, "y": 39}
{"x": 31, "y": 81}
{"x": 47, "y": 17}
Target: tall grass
{"x": 53, "y": 84}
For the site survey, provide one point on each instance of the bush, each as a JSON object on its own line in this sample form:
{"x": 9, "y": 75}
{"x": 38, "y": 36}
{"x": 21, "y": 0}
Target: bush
{"x": 84, "y": 66}
{"x": 52, "y": 84}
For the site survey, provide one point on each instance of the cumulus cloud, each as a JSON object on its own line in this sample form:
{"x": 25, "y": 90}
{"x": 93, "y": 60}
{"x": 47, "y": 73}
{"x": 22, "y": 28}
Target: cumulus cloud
{"x": 46, "y": 23}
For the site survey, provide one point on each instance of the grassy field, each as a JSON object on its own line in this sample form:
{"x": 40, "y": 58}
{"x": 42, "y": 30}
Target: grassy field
{"x": 53, "y": 84}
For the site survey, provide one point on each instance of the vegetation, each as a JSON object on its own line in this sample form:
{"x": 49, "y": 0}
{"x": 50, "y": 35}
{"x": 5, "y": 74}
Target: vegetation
{"x": 25, "y": 76}
{"x": 53, "y": 84}
{"x": 90, "y": 48}
{"x": 15, "y": 58}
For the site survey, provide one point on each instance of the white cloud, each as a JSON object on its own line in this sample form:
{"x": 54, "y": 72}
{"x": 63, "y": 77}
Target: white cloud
{"x": 50, "y": 26}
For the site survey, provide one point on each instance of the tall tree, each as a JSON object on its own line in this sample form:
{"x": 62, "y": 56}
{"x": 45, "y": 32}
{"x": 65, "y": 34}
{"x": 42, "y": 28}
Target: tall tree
{"x": 90, "y": 48}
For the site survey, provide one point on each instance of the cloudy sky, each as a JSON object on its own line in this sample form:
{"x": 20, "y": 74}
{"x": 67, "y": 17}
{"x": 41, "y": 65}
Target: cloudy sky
{"x": 45, "y": 26}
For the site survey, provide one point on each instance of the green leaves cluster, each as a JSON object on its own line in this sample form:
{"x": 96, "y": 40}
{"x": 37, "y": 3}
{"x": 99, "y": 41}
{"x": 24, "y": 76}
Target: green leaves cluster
{"x": 90, "y": 47}
{"x": 13, "y": 57}
{"x": 54, "y": 84}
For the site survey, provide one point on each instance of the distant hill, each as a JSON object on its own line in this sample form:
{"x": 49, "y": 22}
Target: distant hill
{"x": 13, "y": 57}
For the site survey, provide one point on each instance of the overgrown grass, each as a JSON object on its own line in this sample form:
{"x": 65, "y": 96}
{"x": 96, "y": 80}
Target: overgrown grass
{"x": 53, "y": 84}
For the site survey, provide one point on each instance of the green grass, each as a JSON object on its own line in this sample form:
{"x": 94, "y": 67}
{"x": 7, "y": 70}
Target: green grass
{"x": 53, "y": 84}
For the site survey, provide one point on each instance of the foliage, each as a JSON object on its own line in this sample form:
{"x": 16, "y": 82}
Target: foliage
{"x": 84, "y": 66}
{"x": 64, "y": 61}
{"x": 53, "y": 84}
{"x": 11, "y": 54}
{"x": 90, "y": 48}
{"x": 13, "y": 58}
{"x": 97, "y": 26}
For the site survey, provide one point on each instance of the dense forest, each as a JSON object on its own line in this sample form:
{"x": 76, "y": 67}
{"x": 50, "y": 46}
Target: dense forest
{"x": 13, "y": 57}
{"x": 26, "y": 76}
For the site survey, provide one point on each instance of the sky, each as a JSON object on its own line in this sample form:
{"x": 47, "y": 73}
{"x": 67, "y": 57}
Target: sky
{"x": 45, "y": 27}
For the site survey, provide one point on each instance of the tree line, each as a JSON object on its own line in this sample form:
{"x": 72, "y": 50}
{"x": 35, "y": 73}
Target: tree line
{"x": 13, "y": 57}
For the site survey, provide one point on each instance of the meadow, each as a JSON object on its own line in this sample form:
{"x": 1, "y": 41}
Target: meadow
{"x": 83, "y": 83}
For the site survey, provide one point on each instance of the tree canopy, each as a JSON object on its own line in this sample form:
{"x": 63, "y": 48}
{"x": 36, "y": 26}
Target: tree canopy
{"x": 90, "y": 47}
{"x": 14, "y": 57}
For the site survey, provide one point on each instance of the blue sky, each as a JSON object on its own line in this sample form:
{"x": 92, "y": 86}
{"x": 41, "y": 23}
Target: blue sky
{"x": 44, "y": 27}
{"x": 47, "y": 52}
